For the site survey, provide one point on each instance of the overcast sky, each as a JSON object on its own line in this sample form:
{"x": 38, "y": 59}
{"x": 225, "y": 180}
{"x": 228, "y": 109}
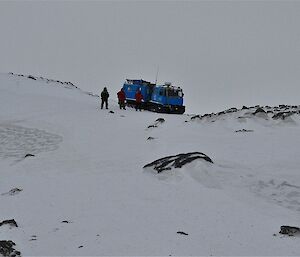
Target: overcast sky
{"x": 222, "y": 53}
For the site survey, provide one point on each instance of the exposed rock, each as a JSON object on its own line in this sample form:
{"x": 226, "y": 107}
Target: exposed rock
{"x": 29, "y": 155}
{"x": 157, "y": 122}
{"x": 11, "y": 223}
{"x": 13, "y": 191}
{"x": 152, "y": 126}
{"x": 182, "y": 233}
{"x": 244, "y": 130}
{"x": 245, "y": 107}
{"x": 288, "y": 230}
{"x": 176, "y": 161}
{"x": 160, "y": 120}
{"x": 7, "y": 249}
{"x": 282, "y": 115}
{"x": 231, "y": 110}
{"x": 31, "y": 77}
{"x": 258, "y": 110}
{"x": 195, "y": 117}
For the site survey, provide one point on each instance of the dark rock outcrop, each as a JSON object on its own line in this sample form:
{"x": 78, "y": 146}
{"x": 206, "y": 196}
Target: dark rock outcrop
{"x": 7, "y": 249}
{"x": 176, "y": 161}
{"x": 259, "y": 110}
{"x": 182, "y": 233}
{"x": 288, "y": 230}
{"x": 282, "y": 115}
{"x": 244, "y": 130}
{"x": 11, "y": 223}
{"x": 31, "y": 77}
{"x": 29, "y": 155}
{"x": 160, "y": 120}
{"x": 13, "y": 191}
{"x": 195, "y": 117}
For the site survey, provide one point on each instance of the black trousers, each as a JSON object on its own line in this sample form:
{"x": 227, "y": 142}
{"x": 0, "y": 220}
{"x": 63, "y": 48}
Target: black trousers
{"x": 122, "y": 105}
{"x": 138, "y": 106}
{"x": 104, "y": 101}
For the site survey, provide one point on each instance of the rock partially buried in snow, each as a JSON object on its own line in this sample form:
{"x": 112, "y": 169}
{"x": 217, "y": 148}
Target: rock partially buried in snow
{"x": 288, "y": 230}
{"x": 7, "y": 248}
{"x": 29, "y": 155}
{"x": 11, "y": 223}
{"x": 13, "y": 191}
{"x": 156, "y": 123}
{"x": 176, "y": 161}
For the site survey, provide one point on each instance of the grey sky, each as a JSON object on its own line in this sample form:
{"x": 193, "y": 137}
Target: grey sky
{"x": 223, "y": 54}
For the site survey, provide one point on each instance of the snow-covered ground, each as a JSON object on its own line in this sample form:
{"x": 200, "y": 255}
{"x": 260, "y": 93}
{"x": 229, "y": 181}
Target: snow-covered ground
{"x": 85, "y": 192}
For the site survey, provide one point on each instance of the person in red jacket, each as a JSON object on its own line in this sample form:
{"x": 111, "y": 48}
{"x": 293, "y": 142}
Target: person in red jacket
{"x": 121, "y": 97}
{"x": 138, "y": 100}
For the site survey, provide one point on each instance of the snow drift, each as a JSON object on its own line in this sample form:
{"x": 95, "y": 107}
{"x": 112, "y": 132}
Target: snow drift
{"x": 82, "y": 189}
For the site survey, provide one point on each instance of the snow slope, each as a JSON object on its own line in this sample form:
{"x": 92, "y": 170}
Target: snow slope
{"x": 88, "y": 172}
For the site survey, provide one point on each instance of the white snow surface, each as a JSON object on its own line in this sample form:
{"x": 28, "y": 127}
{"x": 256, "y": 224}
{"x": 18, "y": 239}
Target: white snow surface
{"x": 88, "y": 170}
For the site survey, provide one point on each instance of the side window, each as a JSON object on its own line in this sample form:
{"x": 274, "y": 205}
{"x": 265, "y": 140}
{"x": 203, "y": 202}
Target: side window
{"x": 162, "y": 92}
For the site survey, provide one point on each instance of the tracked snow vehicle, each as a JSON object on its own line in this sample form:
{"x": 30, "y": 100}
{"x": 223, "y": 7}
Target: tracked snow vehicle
{"x": 158, "y": 98}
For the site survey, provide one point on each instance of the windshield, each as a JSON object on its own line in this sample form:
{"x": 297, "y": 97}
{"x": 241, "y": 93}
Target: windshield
{"x": 174, "y": 92}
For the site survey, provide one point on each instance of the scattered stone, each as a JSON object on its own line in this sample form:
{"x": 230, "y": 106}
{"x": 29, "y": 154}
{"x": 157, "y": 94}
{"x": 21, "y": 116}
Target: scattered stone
{"x": 80, "y": 246}
{"x": 160, "y": 120}
{"x": 258, "y": 110}
{"x": 65, "y": 221}
{"x": 282, "y": 115}
{"x": 290, "y": 231}
{"x": 29, "y": 155}
{"x": 244, "y": 130}
{"x": 245, "y": 107}
{"x": 176, "y": 161}
{"x": 152, "y": 126}
{"x": 11, "y": 223}
{"x": 231, "y": 110}
{"x": 33, "y": 238}
{"x": 195, "y": 117}
{"x": 13, "y": 191}
{"x": 31, "y": 77}
{"x": 111, "y": 112}
{"x": 182, "y": 233}
{"x": 150, "y": 138}
{"x": 7, "y": 249}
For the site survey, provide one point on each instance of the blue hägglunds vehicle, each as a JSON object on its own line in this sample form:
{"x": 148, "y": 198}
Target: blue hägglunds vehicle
{"x": 158, "y": 98}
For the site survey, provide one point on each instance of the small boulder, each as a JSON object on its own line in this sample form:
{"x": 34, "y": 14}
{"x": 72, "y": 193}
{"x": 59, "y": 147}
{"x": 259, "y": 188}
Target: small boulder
{"x": 31, "y": 77}
{"x": 7, "y": 249}
{"x": 288, "y": 230}
{"x": 160, "y": 120}
{"x": 176, "y": 161}
{"x": 182, "y": 233}
{"x": 259, "y": 110}
{"x": 13, "y": 191}
{"x": 29, "y": 155}
{"x": 11, "y": 223}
